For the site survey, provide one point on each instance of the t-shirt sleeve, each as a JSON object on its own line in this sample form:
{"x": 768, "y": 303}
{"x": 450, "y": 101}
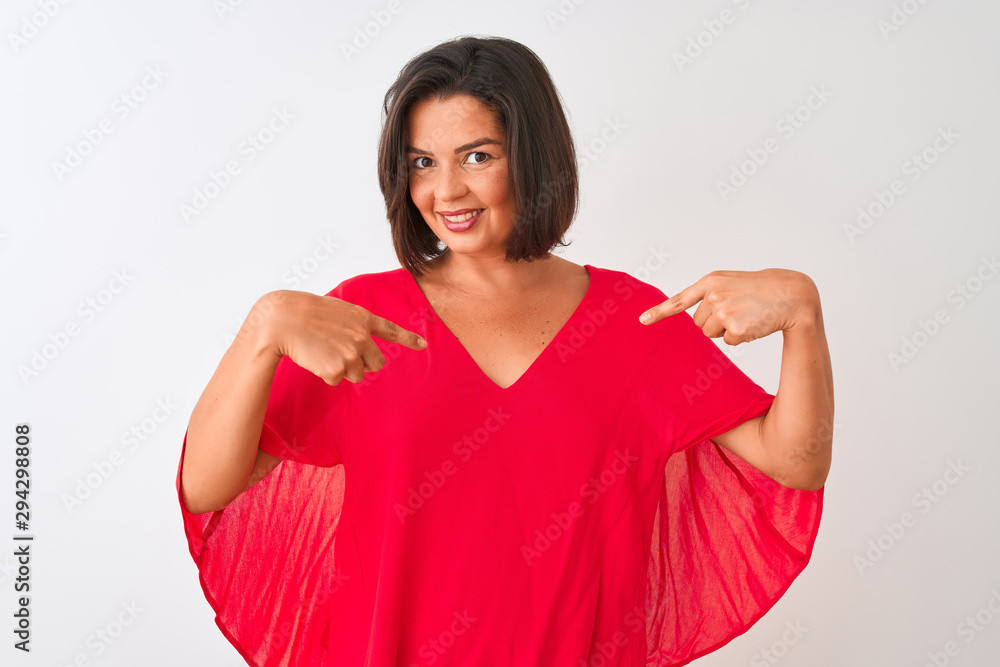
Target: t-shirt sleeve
{"x": 307, "y": 420}
{"x": 689, "y": 390}
{"x": 727, "y": 540}
{"x": 266, "y": 561}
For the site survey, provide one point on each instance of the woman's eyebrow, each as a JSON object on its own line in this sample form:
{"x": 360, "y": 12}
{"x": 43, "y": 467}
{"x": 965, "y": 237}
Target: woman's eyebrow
{"x": 467, "y": 147}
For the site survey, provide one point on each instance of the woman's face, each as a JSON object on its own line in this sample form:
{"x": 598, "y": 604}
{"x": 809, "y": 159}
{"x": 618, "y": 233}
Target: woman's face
{"x": 457, "y": 165}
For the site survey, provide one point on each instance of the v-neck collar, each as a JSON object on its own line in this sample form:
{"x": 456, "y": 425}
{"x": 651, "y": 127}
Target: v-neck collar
{"x": 425, "y": 302}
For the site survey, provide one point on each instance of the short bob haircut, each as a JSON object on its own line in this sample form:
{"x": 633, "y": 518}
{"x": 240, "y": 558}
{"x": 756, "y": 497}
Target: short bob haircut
{"x": 511, "y": 81}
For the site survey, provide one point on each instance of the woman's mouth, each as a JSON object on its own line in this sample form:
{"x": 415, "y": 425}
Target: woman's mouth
{"x": 463, "y": 221}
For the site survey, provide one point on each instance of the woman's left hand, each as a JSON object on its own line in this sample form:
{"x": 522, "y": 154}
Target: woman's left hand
{"x": 741, "y": 306}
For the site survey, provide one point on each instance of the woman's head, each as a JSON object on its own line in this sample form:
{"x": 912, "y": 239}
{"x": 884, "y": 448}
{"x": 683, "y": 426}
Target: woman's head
{"x": 450, "y": 97}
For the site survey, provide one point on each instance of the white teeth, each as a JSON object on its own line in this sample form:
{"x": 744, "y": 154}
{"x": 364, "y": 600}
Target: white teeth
{"x": 462, "y": 218}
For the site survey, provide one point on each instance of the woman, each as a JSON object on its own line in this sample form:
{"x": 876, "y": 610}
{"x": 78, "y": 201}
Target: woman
{"x": 519, "y": 471}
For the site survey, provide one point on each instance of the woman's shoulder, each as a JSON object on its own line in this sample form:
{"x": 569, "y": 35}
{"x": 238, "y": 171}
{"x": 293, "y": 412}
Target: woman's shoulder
{"x": 368, "y": 284}
{"x": 622, "y": 296}
{"x": 624, "y": 286}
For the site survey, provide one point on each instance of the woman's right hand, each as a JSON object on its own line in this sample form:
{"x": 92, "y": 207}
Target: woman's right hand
{"x": 327, "y": 336}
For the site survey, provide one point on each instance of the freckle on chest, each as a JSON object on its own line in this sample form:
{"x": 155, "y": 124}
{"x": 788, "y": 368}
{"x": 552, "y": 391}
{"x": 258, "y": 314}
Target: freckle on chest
{"x": 503, "y": 341}
{"x": 506, "y": 331}
{"x": 505, "y": 336}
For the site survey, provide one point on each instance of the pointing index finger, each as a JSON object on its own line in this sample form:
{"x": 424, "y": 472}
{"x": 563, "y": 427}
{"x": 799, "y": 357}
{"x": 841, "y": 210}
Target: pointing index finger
{"x": 676, "y": 303}
{"x": 391, "y": 331}
{"x": 680, "y": 301}
{"x": 687, "y": 297}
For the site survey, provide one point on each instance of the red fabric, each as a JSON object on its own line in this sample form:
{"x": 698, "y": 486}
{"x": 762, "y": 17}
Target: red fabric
{"x": 582, "y": 516}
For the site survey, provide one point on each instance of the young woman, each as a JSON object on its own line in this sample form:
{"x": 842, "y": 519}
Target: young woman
{"x": 519, "y": 471}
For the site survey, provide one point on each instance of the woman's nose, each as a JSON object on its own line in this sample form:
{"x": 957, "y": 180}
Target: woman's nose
{"x": 450, "y": 185}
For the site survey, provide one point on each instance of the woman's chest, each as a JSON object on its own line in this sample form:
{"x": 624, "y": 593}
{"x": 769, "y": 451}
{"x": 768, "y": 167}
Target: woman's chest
{"x": 504, "y": 338}
{"x": 501, "y": 341}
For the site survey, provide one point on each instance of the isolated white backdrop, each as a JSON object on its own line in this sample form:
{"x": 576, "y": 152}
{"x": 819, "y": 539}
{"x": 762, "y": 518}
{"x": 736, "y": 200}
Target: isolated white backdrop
{"x": 893, "y": 76}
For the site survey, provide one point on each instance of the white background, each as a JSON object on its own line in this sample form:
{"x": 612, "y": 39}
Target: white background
{"x": 654, "y": 186}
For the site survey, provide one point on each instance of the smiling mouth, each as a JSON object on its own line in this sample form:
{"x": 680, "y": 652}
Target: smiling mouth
{"x": 463, "y": 217}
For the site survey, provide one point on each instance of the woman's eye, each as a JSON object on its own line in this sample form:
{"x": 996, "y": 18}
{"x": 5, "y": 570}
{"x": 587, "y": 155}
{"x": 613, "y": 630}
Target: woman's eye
{"x": 482, "y": 159}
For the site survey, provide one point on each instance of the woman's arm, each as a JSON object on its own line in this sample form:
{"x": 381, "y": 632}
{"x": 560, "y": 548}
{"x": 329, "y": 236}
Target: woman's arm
{"x": 221, "y": 458}
{"x": 792, "y": 443}
{"x": 327, "y": 336}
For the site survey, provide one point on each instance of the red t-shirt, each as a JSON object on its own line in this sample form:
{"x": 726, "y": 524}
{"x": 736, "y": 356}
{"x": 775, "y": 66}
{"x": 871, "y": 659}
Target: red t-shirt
{"x": 581, "y": 516}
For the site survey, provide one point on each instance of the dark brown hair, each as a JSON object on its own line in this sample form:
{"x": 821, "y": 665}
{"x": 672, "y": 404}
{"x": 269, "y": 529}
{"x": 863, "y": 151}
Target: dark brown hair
{"x": 510, "y": 80}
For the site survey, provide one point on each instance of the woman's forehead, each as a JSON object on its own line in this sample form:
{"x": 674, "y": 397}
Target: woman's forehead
{"x": 452, "y": 121}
